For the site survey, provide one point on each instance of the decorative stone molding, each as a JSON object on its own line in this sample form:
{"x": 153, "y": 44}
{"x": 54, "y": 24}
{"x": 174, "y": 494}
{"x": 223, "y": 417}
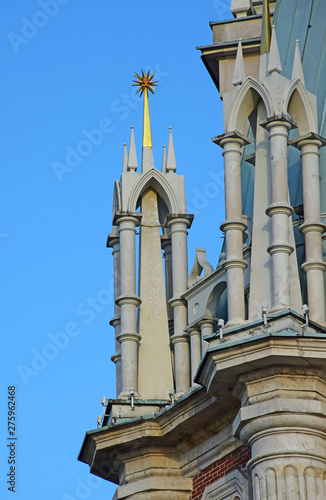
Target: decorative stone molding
{"x": 233, "y": 485}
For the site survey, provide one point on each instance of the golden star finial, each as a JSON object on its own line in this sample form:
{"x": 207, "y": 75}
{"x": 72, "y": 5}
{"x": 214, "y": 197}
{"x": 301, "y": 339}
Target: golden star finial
{"x": 145, "y": 81}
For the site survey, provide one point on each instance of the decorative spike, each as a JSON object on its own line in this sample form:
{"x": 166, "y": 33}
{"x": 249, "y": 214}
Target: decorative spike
{"x": 132, "y": 161}
{"x": 170, "y": 162}
{"x": 297, "y": 71}
{"x": 147, "y": 136}
{"x": 274, "y": 61}
{"x": 239, "y": 71}
{"x": 125, "y": 158}
{"x": 163, "y": 170}
{"x": 265, "y": 29}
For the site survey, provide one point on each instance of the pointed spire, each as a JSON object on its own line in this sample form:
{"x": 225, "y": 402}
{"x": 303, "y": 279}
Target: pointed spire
{"x": 170, "y": 162}
{"x": 274, "y": 61}
{"x": 163, "y": 169}
{"x": 265, "y": 29}
{"x": 297, "y": 71}
{"x": 132, "y": 162}
{"x": 239, "y": 71}
{"x": 125, "y": 158}
{"x": 147, "y": 135}
{"x": 145, "y": 83}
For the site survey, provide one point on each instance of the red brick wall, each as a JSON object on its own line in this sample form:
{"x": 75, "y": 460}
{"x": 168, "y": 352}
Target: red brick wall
{"x": 236, "y": 460}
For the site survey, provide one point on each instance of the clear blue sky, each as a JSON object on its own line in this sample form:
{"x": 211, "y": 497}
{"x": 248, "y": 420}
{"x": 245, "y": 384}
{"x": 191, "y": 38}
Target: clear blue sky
{"x": 67, "y": 69}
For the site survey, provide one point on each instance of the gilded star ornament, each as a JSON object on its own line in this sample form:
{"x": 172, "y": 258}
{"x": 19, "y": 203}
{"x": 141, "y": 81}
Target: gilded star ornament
{"x": 145, "y": 81}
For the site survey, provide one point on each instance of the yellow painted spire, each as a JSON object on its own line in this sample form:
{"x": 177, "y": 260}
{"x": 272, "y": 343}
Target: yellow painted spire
{"x": 145, "y": 83}
{"x": 266, "y": 29}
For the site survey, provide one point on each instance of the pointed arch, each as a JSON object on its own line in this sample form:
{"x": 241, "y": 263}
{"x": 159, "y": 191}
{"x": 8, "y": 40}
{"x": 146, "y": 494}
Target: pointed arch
{"x": 214, "y": 297}
{"x": 298, "y": 104}
{"x": 250, "y": 92}
{"x": 116, "y": 198}
{"x": 155, "y": 179}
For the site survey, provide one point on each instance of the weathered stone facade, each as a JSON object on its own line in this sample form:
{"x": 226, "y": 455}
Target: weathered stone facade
{"x": 221, "y": 374}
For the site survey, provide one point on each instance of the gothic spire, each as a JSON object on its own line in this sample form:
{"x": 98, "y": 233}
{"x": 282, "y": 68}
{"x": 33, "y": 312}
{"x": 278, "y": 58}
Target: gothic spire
{"x": 163, "y": 169}
{"x": 239, "y": 71}
{"x": 125, "y": 158}
{"x": 274, "y": 61}
{"x": 170, "y": 162}
{"x": 297, "y": 71}
{"x": 132, "y": 161}
{"x": 266, "y": 29}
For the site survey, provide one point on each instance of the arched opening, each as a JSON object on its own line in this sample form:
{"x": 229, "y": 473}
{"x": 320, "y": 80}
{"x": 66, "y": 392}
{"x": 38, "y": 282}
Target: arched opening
{"x": 217, "y": 306}
{"x": 159, "y": 183}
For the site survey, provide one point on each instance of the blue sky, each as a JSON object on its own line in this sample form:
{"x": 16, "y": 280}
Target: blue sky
{"x": 67, "y": 69}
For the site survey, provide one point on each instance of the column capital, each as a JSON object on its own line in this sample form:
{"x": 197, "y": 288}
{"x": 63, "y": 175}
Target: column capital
{"x": 165, "y": 242}
{"x": 234, "y": 136}
{"x": 308, "y": 139}
{"x": 179, "y": 338}
{"x": 113, "y": 239}
{"x": 179, "y": 218}
{"x": 116, "y": 358}
{"x": 282, "y": 208}
{"x": 177, "y": 301}
{"x": 280, "y": 248}
{"x": 237, "y": 263}
{"x": 207, "y": 320}
{"x": 193, "y": 329}
{"x": 230, "y": 224}
{"x": 311, "y": 225}
{"x": 129, "y": 337}
{"x": 128, "y": 299}
{"x": 278, "y": 121}
{"x": 115, "y": 321}
{"x": 317, "y": 265}
{"x": 127, "y": 216}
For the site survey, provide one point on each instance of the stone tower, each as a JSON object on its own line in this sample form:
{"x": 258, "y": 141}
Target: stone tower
{"x": 239, "y": 412}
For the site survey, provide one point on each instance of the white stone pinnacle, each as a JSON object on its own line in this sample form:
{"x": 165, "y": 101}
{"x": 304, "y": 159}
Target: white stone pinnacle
{"x": 239, "y": 71}
{"x": 132, "y": 162}
{"x": 274, "y": 61}
{"x": 170, "y": 162}
{"x": 163, "y": 169}
{"x": 125, "y": 158}
{"x": 297, "y": 71}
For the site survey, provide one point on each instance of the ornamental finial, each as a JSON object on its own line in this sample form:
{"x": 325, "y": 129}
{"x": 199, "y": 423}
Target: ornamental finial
{"x": 145, "y": 83}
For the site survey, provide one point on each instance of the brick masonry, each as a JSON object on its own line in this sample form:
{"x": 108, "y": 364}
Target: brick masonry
{"x": 238, "y": 459}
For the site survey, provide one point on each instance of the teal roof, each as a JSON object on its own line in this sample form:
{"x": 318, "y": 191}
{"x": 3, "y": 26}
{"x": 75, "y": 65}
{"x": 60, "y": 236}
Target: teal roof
{"x": 309, "y": 27}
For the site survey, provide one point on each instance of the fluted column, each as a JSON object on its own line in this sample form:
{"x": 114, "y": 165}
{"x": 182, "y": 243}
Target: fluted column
{"x": 128, "y": 302}
{"x": 312, "y": 228}
{"x": 114, "y": 243}
{"x": 285, "y": 427}
{"x": 279, "y": 210}
{"x": 178, "y": 225}
{"x": 233, "y": 226}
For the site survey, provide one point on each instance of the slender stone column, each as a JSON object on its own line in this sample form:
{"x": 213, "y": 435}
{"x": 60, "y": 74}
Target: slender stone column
{"x": 114, "y": 243}
{"x": 312, "y": 228}
{"x": 128, "y": 302}
{"x": 279, "y": 210}
{"x": 195, "y": 350}
{"x": 178, "y": 224}
{"x": 206, "y": 328}
{"x": 233, "y": 225}
{"x": 167, "y": 255}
